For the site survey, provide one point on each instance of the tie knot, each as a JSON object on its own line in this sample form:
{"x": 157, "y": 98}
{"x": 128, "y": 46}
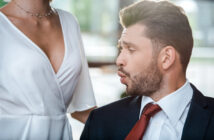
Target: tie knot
{"x": 139, "y": 128}
{"x": 151, "y": 109}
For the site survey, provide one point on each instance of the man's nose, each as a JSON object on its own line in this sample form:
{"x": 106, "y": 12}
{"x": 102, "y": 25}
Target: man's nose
{"x": 120, "y": 60}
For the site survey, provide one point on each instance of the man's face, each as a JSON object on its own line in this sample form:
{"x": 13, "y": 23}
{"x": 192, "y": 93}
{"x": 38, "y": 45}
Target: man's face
{"x": 137, "y": 64}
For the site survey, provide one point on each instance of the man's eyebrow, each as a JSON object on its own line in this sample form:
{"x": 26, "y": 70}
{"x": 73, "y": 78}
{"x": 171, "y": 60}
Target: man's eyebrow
{"x": 129, "y": 44}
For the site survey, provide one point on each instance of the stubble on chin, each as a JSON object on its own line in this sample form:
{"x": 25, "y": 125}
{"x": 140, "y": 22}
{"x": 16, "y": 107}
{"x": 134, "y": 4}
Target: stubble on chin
{"x": 145, "y": 83}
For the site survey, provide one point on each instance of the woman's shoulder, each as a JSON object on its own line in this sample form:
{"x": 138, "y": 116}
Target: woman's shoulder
{"x": 4, "y": 10}
{"x": 67, "y": 16}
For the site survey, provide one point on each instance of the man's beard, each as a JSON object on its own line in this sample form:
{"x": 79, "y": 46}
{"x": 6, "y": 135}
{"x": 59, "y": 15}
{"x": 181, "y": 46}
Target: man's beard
{"x": 146, "y": 82}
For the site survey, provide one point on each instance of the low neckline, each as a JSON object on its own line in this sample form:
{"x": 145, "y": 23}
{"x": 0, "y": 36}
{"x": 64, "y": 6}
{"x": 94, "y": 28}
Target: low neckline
{"x": 37, "y": 47}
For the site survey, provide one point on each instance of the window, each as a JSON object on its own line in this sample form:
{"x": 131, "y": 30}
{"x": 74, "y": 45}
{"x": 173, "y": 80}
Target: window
{"x": 99, "y": 24}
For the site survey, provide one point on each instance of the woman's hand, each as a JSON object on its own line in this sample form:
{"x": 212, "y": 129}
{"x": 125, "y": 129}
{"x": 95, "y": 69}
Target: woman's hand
{"x": 82, "y": 116}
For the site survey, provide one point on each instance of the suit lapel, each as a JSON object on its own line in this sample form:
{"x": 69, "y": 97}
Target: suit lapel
{"x": 135, "y": 108}
{"x": 131, "y": 115}
{"x": 197, "y": 118}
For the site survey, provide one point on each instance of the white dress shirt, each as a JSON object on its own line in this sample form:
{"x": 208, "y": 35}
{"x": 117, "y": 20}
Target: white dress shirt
{"x": 169, "y": 122}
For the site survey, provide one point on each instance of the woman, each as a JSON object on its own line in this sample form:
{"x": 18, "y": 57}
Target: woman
{"x": 43, "y": 72}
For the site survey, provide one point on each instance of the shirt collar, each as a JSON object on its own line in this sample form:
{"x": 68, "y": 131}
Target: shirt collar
{"x": 174, "y": 104}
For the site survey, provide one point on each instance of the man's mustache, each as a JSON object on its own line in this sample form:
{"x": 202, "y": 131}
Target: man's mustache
{"x": 123, "y": 71}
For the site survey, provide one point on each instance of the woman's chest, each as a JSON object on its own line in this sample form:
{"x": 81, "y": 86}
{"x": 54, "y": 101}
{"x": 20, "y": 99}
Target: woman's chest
{"x": 47, "y": 36}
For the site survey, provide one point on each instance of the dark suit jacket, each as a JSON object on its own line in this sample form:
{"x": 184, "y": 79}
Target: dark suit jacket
{"x": 114, "y": 121}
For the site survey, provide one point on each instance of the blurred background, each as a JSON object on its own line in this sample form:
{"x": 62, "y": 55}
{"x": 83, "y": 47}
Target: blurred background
{"x": 100, "y": 28}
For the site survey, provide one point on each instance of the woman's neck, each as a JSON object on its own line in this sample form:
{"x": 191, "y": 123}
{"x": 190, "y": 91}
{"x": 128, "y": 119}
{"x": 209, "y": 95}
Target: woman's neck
{"x": 33, "y": 6}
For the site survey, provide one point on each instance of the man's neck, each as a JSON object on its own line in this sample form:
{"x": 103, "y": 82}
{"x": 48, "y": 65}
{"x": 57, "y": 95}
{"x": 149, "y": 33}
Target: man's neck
{"x": 167, "y": 87}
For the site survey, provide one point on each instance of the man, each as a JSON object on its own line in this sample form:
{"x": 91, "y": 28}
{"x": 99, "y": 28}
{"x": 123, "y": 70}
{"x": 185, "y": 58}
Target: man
{"x": 155, "y": 49}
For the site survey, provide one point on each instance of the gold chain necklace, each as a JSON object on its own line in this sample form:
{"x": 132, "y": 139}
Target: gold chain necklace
{"x": 38, "y": 15}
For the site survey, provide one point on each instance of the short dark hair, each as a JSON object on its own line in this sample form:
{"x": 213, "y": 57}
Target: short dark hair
{"x": 166, "y": 24}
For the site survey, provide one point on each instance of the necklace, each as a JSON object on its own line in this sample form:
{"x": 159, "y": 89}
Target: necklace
{"x": 38, "y": 15}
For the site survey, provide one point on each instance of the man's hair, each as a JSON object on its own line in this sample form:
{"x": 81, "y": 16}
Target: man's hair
{"x": 166, "y": 24}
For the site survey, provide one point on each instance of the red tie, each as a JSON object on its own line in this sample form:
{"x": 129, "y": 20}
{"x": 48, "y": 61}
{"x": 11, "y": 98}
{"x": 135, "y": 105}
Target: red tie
{"x": 139, "y": 128}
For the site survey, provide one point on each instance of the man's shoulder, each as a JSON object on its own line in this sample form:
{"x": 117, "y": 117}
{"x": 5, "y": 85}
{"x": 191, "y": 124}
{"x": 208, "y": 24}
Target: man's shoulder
{"x": 205, "y": 101}
{"x": 210, "y": 102}
{"x": 112, "y": 121}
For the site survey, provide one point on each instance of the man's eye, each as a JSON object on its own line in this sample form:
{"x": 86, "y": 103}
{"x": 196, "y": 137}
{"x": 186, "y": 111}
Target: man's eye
{"x": 131, "y": 50}
{"x": 119, "y": 49}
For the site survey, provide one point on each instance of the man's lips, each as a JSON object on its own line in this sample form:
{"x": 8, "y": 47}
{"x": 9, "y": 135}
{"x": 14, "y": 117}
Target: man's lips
{"x": 122, "y": 77}
{"x": 121, "y": 74}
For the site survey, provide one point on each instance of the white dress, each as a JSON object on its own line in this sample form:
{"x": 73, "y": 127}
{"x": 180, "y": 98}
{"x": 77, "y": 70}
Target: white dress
{"x": 34, "y": 99}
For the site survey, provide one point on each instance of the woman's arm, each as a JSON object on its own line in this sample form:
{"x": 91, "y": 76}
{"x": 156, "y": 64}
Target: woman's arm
{"x": 82, "y": 116}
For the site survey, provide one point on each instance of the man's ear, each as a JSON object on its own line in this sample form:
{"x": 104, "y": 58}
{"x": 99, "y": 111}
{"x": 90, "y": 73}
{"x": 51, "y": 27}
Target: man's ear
{"x": 167, "y": 57}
